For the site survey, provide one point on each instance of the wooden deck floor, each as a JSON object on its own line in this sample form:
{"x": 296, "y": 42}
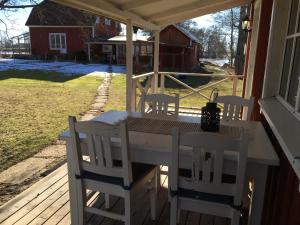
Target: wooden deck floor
{"x": 47, "y": 202}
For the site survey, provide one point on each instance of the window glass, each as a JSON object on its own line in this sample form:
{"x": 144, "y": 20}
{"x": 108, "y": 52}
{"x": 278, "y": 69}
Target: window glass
{"x": 294, "y": 80}
{"x": 286, "y": 67}
{"x": 293, "y": 16}
{"x": 57, "y": 40}
{"x": 63, "y": 41}
{"x": 137, "y": 49}
{"x": 107, "y": 21}
{"x": 149, "y": 49}
{"x": 52, "y": 41}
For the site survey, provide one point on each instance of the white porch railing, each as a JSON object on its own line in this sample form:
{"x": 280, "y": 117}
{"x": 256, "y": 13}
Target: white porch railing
{"x": 144, "y": 83}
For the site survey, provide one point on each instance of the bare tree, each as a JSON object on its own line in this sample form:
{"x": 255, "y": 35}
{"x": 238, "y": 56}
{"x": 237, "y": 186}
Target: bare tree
{"x": 17, "y": 4}
{"x": 242, "y": 38}
{"x": 229, "y": 21}
{"x": 9, "y": 7}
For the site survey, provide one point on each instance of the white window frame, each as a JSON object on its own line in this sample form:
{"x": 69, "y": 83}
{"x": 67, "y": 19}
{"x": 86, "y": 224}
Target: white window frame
{"x": 107, "y": 22}
{"x": 283, "y": 99}
{"x": 58, "y": 48}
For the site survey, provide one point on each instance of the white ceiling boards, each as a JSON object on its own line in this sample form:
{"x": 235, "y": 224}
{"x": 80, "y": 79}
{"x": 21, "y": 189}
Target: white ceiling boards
{"x": 153, "y": 14}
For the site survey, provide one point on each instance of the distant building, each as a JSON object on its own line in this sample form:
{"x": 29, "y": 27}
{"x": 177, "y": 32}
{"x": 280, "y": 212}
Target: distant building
{"x": 67, "y": 33}
{"x": 57, "y": 30}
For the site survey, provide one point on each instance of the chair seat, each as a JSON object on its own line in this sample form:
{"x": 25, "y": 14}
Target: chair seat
{"x": 216, "y": 198}
{"x": 139, "y": 170}
{"x": 226, "y": 178}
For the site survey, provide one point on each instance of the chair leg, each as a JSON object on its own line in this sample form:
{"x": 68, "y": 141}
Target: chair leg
{"x": 235, "y": 220}
{"x": 128, "y": 216}
{"x": 107, "y": 200}
{"x": 173, "y": 216}
{"x": 81, "y": 204}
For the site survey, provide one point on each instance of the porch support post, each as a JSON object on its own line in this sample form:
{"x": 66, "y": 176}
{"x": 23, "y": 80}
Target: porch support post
{"x": 129, "y": 67}
{"x": 156, "y": 61}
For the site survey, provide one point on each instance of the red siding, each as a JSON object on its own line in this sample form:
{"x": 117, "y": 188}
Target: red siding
{"x": 175, "y": 51}
{"x": 103, "y": 30}
{"x": 171, "y": 35}
{"x": 75, "y": 37}
{"x": 261, "y": 54}
{"x": 282, "y": 200}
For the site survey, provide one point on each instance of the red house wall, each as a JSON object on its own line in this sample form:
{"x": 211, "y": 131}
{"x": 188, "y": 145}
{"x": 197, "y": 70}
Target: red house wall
{"x": 171, "y": 35}
{"x": 282, "y": 198}
{"x": 175, "y": 51}
{"x": 103, "y": 30}
{"x": 75, "y": 37}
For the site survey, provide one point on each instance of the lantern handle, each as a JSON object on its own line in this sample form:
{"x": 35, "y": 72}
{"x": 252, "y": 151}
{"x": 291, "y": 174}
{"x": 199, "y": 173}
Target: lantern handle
{"x": 214, "y": 95}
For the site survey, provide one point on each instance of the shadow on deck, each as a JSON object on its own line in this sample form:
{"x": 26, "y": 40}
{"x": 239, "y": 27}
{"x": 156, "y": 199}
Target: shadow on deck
{"x": 47, "y": 202}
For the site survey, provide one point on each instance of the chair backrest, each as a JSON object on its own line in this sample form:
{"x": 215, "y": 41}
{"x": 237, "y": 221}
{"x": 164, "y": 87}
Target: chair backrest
{"x": 159, "y": 104}
{"x": 206, "y": 173}
{"x": 233, "y": 106}
{"x": 97, "y": 146}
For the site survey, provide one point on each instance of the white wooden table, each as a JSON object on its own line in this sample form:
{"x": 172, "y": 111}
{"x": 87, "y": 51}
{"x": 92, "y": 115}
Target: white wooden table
{"x": 155, "y": 149}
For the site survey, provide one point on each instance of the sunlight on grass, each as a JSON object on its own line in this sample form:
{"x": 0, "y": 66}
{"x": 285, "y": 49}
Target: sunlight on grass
{"x": 34, "y": 109}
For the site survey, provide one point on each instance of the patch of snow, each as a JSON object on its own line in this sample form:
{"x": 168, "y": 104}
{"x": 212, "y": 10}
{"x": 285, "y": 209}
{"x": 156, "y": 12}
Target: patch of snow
{"x": 67, "y": 68}
{"x": 218, "y": 62}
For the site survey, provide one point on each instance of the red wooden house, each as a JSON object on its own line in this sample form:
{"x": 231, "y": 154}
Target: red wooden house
{"x": 61, "y": 31}
{"x": 179, "y": 49}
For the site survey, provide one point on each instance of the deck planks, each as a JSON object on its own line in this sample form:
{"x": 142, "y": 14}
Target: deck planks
{"x": 47, "y": 202}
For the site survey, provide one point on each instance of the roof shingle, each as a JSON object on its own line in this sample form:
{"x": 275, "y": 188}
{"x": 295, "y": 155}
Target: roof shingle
{"x": 52, "y": 14}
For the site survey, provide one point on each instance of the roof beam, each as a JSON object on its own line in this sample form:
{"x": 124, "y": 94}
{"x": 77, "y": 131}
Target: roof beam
{"x": 137, "y": 4}
{"x": 196, "y": 12}
{"x": 105, "y": 8}
{"x": 184, "y": 9}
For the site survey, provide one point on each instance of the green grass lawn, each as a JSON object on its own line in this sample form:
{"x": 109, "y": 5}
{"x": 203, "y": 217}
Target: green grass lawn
{"x": 34, "y": 109}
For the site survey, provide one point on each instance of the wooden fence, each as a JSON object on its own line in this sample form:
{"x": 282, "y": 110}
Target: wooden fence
{"x": 145, "y": 83}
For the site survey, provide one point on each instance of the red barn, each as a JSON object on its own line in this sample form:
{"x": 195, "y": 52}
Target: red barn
{"x": 61, "y": 31}
{"x": 179, "y": 49}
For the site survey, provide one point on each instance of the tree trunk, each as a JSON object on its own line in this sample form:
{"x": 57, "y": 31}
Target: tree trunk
{"x": 231, "y": 39}
{"x": 242, "y": 39}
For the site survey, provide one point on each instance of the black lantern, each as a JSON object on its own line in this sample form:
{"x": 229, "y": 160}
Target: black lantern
{"x": 246, "y": 24}
{"x": 210, "y": 114}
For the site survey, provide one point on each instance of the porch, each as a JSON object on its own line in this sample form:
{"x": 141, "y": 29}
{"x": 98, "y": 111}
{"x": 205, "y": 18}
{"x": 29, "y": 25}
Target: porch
{"x": 47, "y": 202}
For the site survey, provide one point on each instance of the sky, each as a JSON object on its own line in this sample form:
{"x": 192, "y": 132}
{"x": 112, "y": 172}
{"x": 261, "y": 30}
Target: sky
{"x": 17, "y": 20}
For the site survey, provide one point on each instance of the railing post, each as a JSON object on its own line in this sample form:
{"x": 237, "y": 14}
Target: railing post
{"x": 133, "y": 94}
{"x": 162, "y": 83}
{"x": 129, "y": 65}
{"x": 234, "y": 85}
{"x": 156, "y": 61}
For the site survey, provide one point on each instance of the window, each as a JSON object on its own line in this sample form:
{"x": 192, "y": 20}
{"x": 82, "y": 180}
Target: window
{"x": 107, "y": 22}
{"x": 57, "y": 41}
{"x": 146, "y": 50}
{"x": 290, "y": 74}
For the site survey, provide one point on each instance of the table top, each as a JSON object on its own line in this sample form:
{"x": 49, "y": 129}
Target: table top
{"x": 260, "y": 149}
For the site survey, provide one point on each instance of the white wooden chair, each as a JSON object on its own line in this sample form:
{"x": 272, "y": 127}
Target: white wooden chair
{"x": 233, "y": 106}
{"x": 204, "y": 187}
{"x": 159, "y": 105}
{"x": 100, "y": 173}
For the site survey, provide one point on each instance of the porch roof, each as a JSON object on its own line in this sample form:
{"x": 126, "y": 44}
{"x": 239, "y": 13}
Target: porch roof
{"x": 153, "y": 14}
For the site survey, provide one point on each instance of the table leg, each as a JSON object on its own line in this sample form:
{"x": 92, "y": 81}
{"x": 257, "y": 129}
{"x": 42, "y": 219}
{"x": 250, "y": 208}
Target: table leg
{"x": 72, "y": 186}
{"x": 259, "y": 174}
